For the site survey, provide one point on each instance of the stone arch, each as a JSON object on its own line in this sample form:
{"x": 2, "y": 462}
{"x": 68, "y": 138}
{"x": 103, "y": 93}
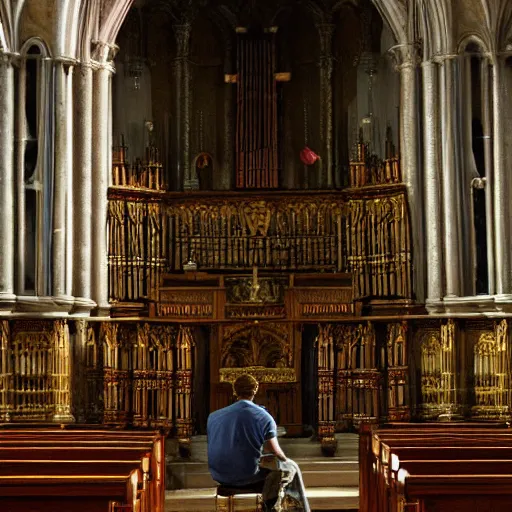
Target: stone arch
{"x": 67, "y": 16}
{"x": 9, "y": 19}
{"x": 472, "y": 39}
{"x": 394, "y": 13}
{"x": 498, "y": 18}
{"x": 36, "y": 41}
{"x": 113, "y": 15}
{"x": 436, "y": 23}
{"x": 88, "y": 23}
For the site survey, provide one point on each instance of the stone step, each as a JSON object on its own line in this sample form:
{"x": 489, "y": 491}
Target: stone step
{"x": 316, "y": 473}
{"x": 203, "y": 500}
{"x": 294, "y": 448}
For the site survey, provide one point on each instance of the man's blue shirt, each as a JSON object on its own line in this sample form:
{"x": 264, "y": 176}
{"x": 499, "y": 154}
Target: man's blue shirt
{"x": 235, "y": 437}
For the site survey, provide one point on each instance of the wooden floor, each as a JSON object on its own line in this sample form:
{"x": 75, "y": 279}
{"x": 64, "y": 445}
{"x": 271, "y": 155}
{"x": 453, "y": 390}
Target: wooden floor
{"x": 331, "y": 483}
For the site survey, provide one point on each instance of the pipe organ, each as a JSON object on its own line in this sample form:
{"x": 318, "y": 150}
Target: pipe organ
{"x": 257, "y": 163}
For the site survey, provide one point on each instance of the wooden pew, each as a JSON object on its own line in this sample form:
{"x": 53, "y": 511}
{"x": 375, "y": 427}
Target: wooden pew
{"x": 69, "y": 467}
{"x": 63, "y": 493}
{"x": 404, "y": 468}
{"x": 377, "y": 447}
{"x": 55, "y": 456}
{"x": 386, "y": 476}
{"x": 455, "y": 493}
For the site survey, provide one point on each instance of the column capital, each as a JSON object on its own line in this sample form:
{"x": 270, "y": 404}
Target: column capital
{"x": 67, "y": 63}
{"x": 325, "y": 31}
{"x": 442, "y": 58}
{"x": 405, "y": 55}
{"x": 103, "y": 52}
{"x": 182, "y": 35}
{"x": 7, "y": 57}
{"x": 101, "y": 66}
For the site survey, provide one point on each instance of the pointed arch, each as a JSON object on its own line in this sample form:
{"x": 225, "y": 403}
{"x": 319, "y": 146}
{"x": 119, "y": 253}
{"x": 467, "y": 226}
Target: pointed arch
{"x": 9, "y": 18}
{"x": 394, "y": 13}
{"x": 88, "y": 26}
{"x": 66, "y": 15}
{"x": 112, "y": 17}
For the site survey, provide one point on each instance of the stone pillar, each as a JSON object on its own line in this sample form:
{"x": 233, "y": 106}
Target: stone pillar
{"x": 406, "y": 59}
{"x": 451, "y": 240}
{"x": 487, "y": 130}
{"x": 325, "y": 32}
{"x": 431, "y": 148}
{"x": 7, "y": 297}
{"x": 61, "y": 188}
{"x": 101, "y": 146}
{"x": 184, "y": 99}
{"x": 60, "y": 181}
{"x": 82, "y": 189}
{"x": 500, "y": 190}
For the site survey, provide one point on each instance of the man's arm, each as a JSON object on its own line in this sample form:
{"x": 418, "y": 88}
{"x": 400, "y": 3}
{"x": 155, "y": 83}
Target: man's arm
{"x": 272, "y": 446}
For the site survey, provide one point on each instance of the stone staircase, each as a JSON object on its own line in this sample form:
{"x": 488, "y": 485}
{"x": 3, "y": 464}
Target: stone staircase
{"x": 331, "y": 482}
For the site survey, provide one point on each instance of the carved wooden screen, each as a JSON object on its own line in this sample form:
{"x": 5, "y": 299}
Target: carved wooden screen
{"x": 256, "y": 131}
{"x": 271, "y": 353}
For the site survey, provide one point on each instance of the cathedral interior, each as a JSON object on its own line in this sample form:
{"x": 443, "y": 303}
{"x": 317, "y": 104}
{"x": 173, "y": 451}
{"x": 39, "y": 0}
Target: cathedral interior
{"x": 313, "y": 192}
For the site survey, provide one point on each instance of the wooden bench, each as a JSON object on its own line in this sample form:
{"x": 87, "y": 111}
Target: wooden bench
{"x": 382, "y": 451}
{"x": 455, "y": 493}
{"x": 388, "y": 469}
{"x": 85, "y": 493}
{"x": 75, "y": 463}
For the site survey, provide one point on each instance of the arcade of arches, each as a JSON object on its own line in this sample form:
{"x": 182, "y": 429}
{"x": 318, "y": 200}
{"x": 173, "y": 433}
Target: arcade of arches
{"x": 312, "y": 191}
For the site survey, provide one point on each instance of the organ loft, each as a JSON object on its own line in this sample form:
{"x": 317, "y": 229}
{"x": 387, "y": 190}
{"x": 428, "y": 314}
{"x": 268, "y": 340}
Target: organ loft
{"x": 311, "y": 192}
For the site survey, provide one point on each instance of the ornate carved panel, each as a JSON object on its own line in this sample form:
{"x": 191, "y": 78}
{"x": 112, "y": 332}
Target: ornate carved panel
{"x": 359, "y": 381}
{"x": 266, "y": 345}
{"x": 437, "y": 347}
{"x": 491, "y": 367}
{"x": 146, "y": 371}
{"x": 269, "y": 352}
{"x": 324, "y": 302}
{"x": 35, "y": 371}
{"x": 187, "y": 304}
{"x": 398, "y": 371}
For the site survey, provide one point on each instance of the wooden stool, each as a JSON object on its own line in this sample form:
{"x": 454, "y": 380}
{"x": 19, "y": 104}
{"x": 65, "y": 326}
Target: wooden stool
{"x": 225, "y": 498}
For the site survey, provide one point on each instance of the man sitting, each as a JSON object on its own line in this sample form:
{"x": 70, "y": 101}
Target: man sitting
{"x": 236, "y": 436}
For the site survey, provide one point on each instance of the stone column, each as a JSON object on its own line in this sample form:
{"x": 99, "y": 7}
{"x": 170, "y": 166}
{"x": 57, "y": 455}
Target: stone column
{"x": 451, "y": 240}
{"x": 406, "y": 59}
{"x": 82, "y": 189}
{"x": 432, "y": 181}
{"x": 7, "y": 297}
{"x": 325, "y": 31}
{"x": 487, "y": 130}
{"x": 101, "y": 145}
{"x": 60, "y": 187}
{"x": 500, "y": 191}
{"x": 184, "y": 99}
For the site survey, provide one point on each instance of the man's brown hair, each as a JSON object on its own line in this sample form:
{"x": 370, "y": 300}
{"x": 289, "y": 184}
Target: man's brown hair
{"x": 246, "y": 386}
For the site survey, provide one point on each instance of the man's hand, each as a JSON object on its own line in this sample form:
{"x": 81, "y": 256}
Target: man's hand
{"x": 272, "y": 446}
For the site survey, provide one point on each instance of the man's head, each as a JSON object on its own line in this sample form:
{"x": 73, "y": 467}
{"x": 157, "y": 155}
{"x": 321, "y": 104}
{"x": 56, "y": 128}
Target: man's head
{"x": 245, "y": 387}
